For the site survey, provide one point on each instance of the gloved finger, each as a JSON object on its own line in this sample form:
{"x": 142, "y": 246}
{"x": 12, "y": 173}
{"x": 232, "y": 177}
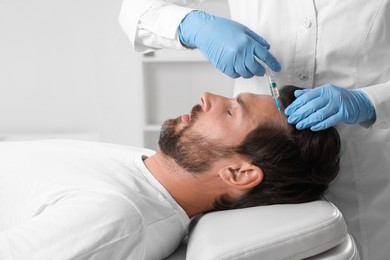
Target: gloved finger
{"x": 302, "y": 100}
{"x": 316, "y": 117}
{"x": 253, "y": 66}
{"x": 265, "y": 56}
{"x": 306, "y": 110}
{"x": 299, "y": 92}
{"x": 229, "y": 70}
{"x": 329, "y": 122}
{"x": 241, "y": 69}
{"x": 303, "y": 124}
{"x": 258, "y": 38}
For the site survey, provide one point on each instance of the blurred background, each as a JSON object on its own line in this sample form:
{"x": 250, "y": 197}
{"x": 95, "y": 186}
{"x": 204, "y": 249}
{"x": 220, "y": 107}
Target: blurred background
{"x": 68, "y": 71}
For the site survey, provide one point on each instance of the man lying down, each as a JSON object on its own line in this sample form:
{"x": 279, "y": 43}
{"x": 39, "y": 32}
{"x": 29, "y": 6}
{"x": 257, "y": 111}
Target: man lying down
{"x": 81, "y": 200}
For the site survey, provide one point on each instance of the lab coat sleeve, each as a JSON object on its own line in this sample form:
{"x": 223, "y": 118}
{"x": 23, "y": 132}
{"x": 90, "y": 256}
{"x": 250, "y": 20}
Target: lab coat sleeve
{"x": 152, "y": 24}
{"x": 78, "y": 226}
{"x": 380, "y": 97}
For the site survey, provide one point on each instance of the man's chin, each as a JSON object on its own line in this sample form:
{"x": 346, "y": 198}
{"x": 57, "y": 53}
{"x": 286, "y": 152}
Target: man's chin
{"x": 173, "y": 125}
{"x": 169, "y": 136}
{"x": 168, "y": 125}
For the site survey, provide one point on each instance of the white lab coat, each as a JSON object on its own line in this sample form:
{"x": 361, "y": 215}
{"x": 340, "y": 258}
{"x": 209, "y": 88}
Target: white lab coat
{"x": 345, "y": 43}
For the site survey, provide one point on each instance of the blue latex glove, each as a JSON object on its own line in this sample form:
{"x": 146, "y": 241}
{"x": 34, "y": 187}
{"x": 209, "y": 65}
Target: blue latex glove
{"x": 230, "y": 46}
{"x": 328, "y": 105}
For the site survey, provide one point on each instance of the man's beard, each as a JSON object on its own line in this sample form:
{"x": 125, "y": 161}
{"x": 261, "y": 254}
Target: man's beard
{"x": 192, "y": 151}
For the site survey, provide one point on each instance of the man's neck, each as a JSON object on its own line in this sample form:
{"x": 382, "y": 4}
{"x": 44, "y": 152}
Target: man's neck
{"x": 187, "y": 189}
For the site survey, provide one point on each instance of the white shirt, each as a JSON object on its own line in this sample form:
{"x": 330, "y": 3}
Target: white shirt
{"x": 84, "y": 200}
{"x": 345, "y": 43}
{"x": 317, "y": 42}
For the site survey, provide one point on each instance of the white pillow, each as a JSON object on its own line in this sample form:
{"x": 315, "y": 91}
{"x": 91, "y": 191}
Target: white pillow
{"x": 293, "y": 231}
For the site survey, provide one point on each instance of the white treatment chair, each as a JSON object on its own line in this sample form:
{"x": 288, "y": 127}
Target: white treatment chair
{"x": 314, "y": 230}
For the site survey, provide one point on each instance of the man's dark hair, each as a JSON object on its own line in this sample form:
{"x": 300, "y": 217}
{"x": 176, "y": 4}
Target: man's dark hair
{"x": 298, "y": 165}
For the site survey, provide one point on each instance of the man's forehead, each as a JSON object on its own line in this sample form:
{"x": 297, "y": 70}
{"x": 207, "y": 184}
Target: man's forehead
{"x": 257, "y": 100}
{"x": 262, "y": 107}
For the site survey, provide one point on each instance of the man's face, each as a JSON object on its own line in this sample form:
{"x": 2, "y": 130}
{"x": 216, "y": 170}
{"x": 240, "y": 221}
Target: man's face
{"x": 215, "y": 127}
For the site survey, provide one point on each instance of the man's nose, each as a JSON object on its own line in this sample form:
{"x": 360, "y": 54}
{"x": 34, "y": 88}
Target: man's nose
{"x": 205, "y": 101}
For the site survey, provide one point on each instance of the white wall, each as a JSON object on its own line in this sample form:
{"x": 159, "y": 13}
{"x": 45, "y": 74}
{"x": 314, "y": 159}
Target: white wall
{"x": 66, "y": 67}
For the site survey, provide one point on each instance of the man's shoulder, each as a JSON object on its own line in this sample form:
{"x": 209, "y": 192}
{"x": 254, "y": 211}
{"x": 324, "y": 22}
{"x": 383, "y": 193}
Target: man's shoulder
{"x": 106, "y": 206}
{"x": 137, "y": 214}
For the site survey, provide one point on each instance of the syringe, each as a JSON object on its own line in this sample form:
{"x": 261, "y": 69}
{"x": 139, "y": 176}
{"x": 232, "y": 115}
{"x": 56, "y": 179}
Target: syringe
{"x": 273, "y": 87}
{"x": 274, "y": 92}
{"x": 272, "y": 84}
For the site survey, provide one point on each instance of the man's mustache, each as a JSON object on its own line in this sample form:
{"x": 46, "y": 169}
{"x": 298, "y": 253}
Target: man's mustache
{"x": 195, "y": 113}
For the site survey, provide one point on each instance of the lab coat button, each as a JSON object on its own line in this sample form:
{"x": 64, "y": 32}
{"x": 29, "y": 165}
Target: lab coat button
{"x": 306, "y": 23}
{"x": 302, "y": 75}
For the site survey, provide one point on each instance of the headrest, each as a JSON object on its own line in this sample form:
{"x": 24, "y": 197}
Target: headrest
{"x": 267, "y": 232}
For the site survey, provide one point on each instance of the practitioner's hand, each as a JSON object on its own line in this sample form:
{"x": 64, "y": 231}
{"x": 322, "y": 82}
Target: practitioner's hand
{"x": 230, "y": 46}
{"x": 328, "y": 105}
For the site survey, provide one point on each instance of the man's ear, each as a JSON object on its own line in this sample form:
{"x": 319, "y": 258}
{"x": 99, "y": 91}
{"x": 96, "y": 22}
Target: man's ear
{"x": 244, "y": 176}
